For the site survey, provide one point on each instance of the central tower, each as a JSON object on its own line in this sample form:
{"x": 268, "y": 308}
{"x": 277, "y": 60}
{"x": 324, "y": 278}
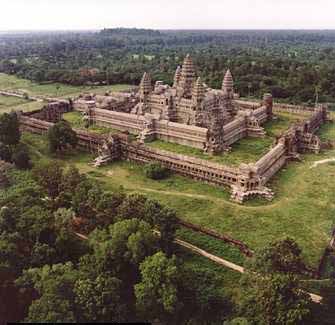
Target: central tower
{"x": 187, "y": 78}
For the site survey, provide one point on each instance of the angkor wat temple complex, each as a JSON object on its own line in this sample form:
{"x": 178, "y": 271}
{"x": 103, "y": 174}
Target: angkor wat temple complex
{"x": 188, "y": 113}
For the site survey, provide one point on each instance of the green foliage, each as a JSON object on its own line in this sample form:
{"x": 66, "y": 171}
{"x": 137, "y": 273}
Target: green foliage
{"x": 34, "y": 222}
{"x": 50, "y": 308}
{"x": 5, "y": 153}
{"x": 279, "y": 256}
{"x": 54, "y": 285}
{"x": 21, "y": 157}
{"x": 61, "y": 136}
{"x": 272, "y": 292}
{"x": 125, "y": 243}
{"x": 42, "y": 254}
{"x": 9, "y": 129}
{"x": 99, "y": 300}
{"x": 49, "y": 176}
{"x": 156, "y": 171}
{"x": 157, "y": 293}
{"x": 7, "y": 220}
{"x": 203, "y": 295}
{"x": 290, "y": 64}
{"x": 274, "y": 299}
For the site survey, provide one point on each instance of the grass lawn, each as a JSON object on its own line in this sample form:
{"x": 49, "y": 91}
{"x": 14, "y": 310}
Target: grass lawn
{"x": 76, "y": 121}
{"x": 8, "y": 104}
{"x": 303, "y": 208}
{"x": 9, "y": 82}
{"x": 247, "y": 150}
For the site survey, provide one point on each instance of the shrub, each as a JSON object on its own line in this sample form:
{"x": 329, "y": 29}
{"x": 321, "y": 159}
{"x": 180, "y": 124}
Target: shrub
{"x": 156, "y": 171}
{"x": 21, "y": 157}
{"x": 5, "y": 153}
{"x": 61, "y": 136}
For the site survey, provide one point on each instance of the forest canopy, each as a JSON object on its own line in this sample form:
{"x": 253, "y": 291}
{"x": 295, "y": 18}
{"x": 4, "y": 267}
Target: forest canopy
{"x": 295, "y": 66}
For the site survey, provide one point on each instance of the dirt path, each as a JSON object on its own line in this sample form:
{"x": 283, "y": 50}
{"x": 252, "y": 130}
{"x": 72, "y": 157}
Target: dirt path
{"x": 237, "y": 268}
{"x": 211, "y": 257}
{"x": 321, "y": 162}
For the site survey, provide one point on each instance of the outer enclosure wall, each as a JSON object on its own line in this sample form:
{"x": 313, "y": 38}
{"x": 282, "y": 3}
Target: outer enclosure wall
{"x": 213, "y": 173}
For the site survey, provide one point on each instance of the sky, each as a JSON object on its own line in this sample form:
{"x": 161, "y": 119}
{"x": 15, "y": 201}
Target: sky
{"x": 166, "y": 14}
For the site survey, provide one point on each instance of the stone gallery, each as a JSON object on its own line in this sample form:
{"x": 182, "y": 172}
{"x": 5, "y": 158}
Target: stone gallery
{"x": 188, "y": 113}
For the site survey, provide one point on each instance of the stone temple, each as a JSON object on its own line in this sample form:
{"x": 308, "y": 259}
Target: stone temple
{"x": 188, "y": 112}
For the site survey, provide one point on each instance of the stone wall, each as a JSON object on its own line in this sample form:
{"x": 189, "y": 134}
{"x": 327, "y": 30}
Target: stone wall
{"x": 245, "y": 181}
{"x": 151, "y": 127}
{"x": 52, "y": 112}
{"x": 86, "y": 140}
{"x": 296, "y": 109}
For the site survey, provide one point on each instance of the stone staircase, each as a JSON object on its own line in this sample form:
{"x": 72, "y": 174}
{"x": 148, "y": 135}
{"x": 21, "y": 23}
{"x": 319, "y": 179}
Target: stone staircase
{"x": 101, "y": 160}
{"x": 240, "y": 197}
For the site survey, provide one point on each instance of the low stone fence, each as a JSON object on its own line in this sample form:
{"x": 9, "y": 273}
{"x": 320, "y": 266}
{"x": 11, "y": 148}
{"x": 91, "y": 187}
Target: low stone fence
{"x": 244, "y": 249}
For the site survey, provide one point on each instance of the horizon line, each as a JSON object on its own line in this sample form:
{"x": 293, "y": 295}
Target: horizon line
{"x": 164, "y": 29}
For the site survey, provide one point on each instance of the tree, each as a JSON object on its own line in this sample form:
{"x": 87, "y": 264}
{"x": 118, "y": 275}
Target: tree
{"x": 42, "y": 254}
{"x": 157, "y": 293}
{"x": 124, "y": 245}
{"x": 99, "y": 299}
{"x": 50, "y": 308}
{"x": 275, "y": 299}
{"x": 49, "y": 176}
{"x": 53, "y": 283}
{"x": 279, "y": 256}
{"x": 9, "y": 129}
{"x": 164, "y": 220}
{"x": 71, "y": 179}
{"x": 5, "y": 153}
{"x": 21, "y": 157}
{"x": 61, "y": 136}
{"x": 107, "y": 207}
{"x": 271, "y": 288}
{"x": 7, "y": 220}
{"x": 34, "y": 222}
{"x": 63, "y": 219}
{"x": 156, "y": 171}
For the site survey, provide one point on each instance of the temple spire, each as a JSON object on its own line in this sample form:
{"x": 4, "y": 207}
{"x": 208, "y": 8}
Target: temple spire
{"x": 145, "y": 86}
{"x": 228, "y": 83}
{"x": 187, "y": 77}
{"x": 177, "y": 76}
{"x": 198, "y": 91}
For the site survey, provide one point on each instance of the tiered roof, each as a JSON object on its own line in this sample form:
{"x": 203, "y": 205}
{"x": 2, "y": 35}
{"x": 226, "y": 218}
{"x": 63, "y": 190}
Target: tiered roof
{"x": 177, "y": 76}
{"x": 145, "y": 85}
{"x": 228, "y": 82}
{"x": 187, "y": 77}
{"x": 198, "y": 91}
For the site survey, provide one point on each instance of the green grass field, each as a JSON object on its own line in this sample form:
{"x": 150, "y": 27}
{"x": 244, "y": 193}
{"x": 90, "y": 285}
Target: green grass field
{"x": 76, "y": 121}
{"x": 8, "y": 104}
{"x": 9, "y": 82}
{"x": 303, "y": 208}
{"x": 246, "y": 150}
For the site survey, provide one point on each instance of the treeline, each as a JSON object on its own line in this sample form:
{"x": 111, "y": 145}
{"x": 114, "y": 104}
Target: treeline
{"x": 296, "y": 66}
